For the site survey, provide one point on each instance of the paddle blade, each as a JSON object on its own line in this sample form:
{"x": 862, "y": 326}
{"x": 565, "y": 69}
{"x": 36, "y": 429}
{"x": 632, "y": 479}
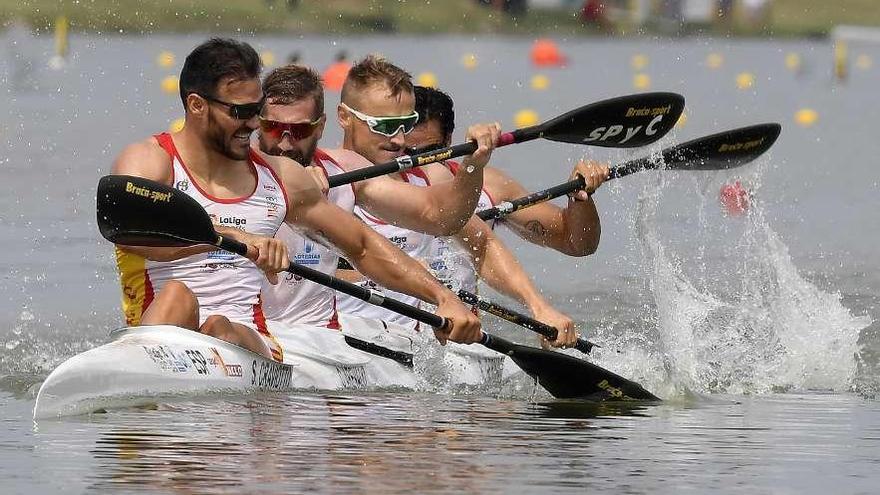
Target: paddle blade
{"x": 724, "y": 150}
{"x": 567, "y": 377}
{"x": 134, "y": 211}
{"x": 623, "y": 122}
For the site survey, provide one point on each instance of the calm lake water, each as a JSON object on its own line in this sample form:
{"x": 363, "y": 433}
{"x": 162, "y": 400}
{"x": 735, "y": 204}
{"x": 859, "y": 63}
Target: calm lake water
{"x": 758, "y": 330}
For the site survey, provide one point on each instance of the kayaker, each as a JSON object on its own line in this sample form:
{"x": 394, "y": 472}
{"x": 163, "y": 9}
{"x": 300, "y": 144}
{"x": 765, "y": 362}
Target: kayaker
{"x": 249, "y": 195}
{"x": 376, "y": 93}
{"x": 454, "y": 260}
{"x": 292, "y": 124}
{"x": 365, "y": 96}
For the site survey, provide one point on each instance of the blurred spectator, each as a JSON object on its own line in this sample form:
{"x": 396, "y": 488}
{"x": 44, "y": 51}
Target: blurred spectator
{"x": 512, "y": 7}
{"x": 725, "y": 11}
{"x": 594, "y": 12}
{"x": 291, "y": 4}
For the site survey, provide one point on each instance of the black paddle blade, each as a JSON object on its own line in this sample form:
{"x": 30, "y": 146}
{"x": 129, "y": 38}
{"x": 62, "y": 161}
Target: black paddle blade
{"x": 724, "y": 150}
{"x": 134, "y": 211}
{"x": 623, "y": 122}
{"x": 567, "y": 377}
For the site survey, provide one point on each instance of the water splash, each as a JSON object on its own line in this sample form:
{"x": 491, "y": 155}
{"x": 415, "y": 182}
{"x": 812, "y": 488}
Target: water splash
{"x": 735, "y": 316}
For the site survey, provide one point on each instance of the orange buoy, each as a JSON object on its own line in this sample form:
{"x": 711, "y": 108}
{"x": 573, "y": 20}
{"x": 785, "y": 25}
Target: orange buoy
{"x": 734, "y": 198}
{"x": 545, "y": 53}
{"x": 334, "y": 76}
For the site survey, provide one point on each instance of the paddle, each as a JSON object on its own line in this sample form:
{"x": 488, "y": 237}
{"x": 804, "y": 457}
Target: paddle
{"x": 720, "y": 151}
{"x": 141, "y": 212}
{"x": 623, "y": 122}
{"x": 583, "y": 345}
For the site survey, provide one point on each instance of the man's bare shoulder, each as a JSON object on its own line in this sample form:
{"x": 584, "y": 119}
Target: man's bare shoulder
{"x": 145, "y": 158}
{"x": 347, "y": 159}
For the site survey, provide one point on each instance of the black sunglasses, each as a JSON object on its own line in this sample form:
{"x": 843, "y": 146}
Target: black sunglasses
{"x": 242, "y": 111}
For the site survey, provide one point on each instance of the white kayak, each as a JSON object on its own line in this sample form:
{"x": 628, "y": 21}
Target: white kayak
{"x": 144, "y": 365}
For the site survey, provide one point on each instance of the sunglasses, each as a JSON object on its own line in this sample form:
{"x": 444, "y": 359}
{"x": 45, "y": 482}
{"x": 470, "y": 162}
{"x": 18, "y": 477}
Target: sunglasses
{"x": 241, "y": 111}
{"x": 386, "y": 126}
{"x": 297, "y": 131}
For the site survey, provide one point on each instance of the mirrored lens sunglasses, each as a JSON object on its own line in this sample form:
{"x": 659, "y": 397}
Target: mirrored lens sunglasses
{"x": 386, "y": 126}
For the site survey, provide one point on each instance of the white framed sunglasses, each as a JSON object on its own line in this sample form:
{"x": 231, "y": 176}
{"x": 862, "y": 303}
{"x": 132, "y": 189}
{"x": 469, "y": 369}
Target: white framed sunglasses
{"x": 386, "y": 126}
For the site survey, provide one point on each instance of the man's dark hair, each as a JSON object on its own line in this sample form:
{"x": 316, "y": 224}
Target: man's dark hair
{"x": 292, "y": 83}
{"x": 433, "y": 104}
{"x": 214, "y": 60}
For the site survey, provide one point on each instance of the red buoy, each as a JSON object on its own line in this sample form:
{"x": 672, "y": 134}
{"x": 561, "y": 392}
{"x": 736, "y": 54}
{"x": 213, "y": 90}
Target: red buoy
{"x": 734, "y": 198}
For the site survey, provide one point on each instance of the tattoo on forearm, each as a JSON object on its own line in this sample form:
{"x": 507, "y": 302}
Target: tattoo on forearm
{"x": 536, "y": 227}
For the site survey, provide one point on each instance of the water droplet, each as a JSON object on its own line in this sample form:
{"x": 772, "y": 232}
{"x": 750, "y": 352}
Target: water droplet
{"x": 12, "y": 344}
{"x": 26, "y": 315}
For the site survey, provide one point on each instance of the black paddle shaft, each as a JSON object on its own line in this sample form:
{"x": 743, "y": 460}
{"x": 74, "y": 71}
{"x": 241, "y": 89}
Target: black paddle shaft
{"x": 583, "y": 345}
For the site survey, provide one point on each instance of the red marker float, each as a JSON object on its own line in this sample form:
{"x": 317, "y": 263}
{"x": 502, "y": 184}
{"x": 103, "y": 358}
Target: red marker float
{"x": 734, "y": 198}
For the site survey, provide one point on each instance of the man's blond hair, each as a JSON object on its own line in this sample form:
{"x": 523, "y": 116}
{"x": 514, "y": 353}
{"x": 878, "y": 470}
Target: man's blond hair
{"x": 374, "y": 69}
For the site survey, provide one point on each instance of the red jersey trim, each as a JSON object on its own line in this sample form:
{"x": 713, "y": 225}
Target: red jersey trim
{"x": 322, "y": 155}
{"x": 148, "y": 293}
{"x": 171, "y": 149}
{"x": 258, "y": 160}
{"x": 372, "y": 218}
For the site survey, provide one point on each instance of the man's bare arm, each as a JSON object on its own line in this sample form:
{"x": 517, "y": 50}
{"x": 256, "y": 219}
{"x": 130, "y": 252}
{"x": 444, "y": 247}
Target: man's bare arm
{"x": 574, "y": 230}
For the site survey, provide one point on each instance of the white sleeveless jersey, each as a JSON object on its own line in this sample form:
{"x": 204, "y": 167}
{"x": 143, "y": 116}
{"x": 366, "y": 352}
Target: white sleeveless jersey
{"x": 294, "y": 299}
{"x": 415, "y": 244}
{"x": 448, "y": 261}
{"x": 224, "y": 283}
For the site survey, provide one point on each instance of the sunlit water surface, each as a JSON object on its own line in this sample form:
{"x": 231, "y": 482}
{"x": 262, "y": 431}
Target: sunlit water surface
{"x": 758, "y": 330}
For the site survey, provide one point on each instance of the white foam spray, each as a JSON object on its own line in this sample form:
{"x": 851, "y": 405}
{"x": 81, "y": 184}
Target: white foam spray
{"x": 736, "y": 316}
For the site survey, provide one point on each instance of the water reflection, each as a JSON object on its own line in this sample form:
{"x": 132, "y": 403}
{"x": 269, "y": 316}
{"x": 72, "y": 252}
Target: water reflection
{"x": 354, "y": 443}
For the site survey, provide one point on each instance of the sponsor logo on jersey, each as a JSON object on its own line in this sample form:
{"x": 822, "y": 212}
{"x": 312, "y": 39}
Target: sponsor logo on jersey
{"x": 272, "y": 206}
{"x": 232, "y": 221}
{"x": 308, "y": 255}
{"x": 182, "y": 185}
{"x": 219, "y": 256}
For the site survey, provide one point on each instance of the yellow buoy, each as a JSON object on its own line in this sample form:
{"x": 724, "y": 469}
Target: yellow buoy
{"x": 525, "y": 118}
{"x": 469, "y": 60}
{"x": 806, "y": 117}
{"x": 427, "y": 79}
{"x": 638, "y": 62}
{"x": 793, "y": 62}
{"x": 540, "y": 82}
{"x": 165, "y": 59}
{"x": 641, "y": 81}
{"x": 682, "y": 120}
{"x": 745, "y": 80}
{"x": 714, "y": 60}
{"x": 176, "y": 125}
{"x": 864, "y": 62}
{"x": 170, "y": 85}
{"x": 268, "y": 58}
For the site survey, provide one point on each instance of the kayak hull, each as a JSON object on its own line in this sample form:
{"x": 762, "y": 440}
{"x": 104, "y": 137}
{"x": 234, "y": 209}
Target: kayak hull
{"x": 150, "y": 364}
